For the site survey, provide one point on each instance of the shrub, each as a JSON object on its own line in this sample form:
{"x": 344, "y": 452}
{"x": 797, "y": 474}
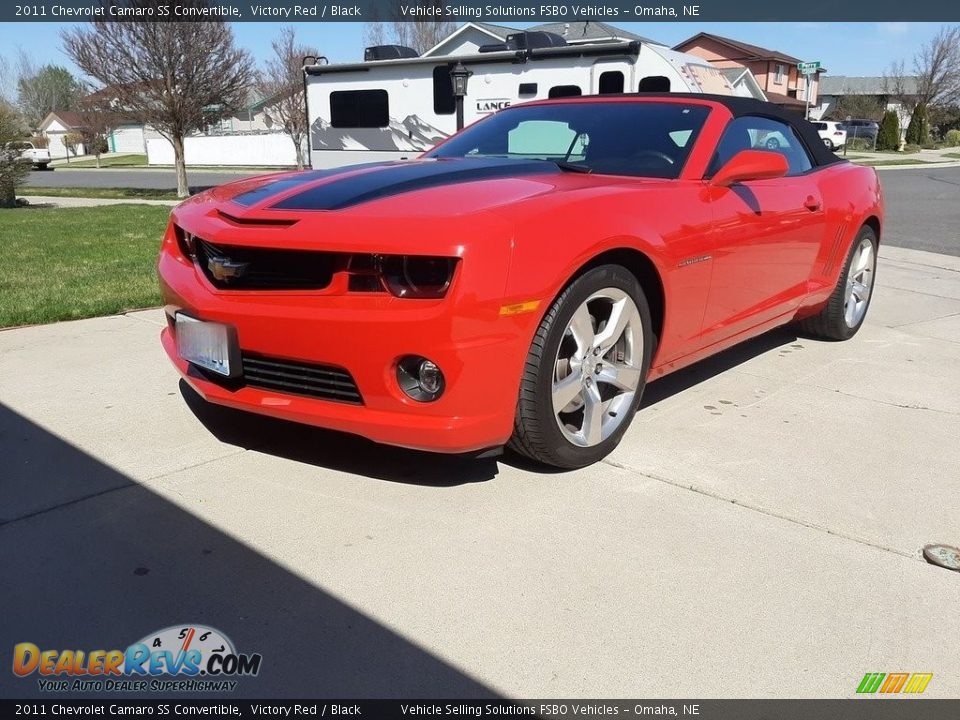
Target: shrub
{"x": 859, "y": 143}
{"x": 888, "y": 137}
{"x": 911, "y": 148}
{"x": 12, "y": 169}
{"x": 918, "y": 131}
{"x": 952, "y": 138}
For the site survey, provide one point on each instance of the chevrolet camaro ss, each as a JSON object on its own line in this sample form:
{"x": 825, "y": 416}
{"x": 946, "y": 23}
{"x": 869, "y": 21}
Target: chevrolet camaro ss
{"x": 520, "y": 283}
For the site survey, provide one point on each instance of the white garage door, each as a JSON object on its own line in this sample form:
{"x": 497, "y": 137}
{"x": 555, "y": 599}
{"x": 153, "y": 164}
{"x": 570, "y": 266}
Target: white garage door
{"x": 128, "y": 140}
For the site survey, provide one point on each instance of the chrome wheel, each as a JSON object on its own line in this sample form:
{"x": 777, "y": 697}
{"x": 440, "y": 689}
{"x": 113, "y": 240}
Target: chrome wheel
{"x": 859, "y": 282}
{"x": 598, "y": 367}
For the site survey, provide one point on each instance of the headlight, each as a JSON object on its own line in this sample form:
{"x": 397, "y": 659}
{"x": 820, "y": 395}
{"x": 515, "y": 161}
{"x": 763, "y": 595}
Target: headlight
{"x": 416, "y": 276}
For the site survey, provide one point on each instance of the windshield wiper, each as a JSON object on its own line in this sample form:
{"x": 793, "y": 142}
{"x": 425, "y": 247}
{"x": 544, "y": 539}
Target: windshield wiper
{"x": 571, "y": 167}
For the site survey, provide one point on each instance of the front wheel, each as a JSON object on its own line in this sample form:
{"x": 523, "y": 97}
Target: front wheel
{"x": 846, "y": 309}
{"x": 585, "y": 371}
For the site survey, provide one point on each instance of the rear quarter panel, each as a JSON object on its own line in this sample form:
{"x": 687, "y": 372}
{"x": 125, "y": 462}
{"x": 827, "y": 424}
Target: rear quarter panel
{"x": 852, "y": 196}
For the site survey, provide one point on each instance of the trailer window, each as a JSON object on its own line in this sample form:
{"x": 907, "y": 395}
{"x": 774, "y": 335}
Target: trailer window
{"x": 443, "y": 101}
{"x": 359, "y": 109}
{"x": 611, "y": 82}
{"x": 528, "y": 89}
{"x": 655, "y": 83}
{"x": 558, "y": 91}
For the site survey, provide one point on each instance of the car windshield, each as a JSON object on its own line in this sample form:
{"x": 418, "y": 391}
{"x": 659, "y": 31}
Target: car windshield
{"x": 645, "y": 139}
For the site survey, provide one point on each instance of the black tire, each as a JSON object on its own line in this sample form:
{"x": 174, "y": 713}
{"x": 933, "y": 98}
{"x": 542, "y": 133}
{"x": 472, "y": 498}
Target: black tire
{"x": 536, "y": 432}
{"x": 829, "y": 323}
{"x": 829, "y": 143}
{"x": 772, "y": 144}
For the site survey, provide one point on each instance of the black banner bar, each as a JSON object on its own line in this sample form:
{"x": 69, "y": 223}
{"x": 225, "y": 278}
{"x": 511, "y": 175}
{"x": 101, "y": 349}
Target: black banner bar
{"x": 690, "y": 11}
{"x": 872, "y": 708}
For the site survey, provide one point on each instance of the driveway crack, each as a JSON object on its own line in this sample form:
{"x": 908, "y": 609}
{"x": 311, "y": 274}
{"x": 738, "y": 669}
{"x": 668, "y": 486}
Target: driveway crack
{"x": 763, "y": 510}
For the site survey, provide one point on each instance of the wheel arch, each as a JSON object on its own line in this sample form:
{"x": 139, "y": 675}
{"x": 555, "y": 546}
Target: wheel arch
{"x": 873, "y": 222}
{"x": 643, "y": 269}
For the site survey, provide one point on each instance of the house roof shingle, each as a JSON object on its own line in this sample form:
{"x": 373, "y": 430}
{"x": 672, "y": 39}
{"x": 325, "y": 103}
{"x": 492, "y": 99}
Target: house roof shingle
{"x": 750, "y": 51}
{"x": 863, "y": 85}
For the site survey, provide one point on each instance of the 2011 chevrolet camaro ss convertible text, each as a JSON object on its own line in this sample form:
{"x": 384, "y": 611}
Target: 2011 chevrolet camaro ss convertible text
{"x": 521, "y": 282}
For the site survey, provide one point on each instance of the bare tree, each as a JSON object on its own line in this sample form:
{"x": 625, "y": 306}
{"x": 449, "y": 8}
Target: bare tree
{"x": 42, "y": 90}
{"x": 12, "y": 168}
{"x": 176, "y": 77}
{"x": 281, "y": 85}
{"x": 99, "y": 120}
{"x": 937, "y": 67}
{"x": 936, "y": 73}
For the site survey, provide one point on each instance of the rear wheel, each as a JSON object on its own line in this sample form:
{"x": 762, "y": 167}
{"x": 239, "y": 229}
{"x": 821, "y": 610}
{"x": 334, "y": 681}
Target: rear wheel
{"x": 585, "y": 371}
{"x": 846, "y": 309}
{"x": 829, "y": 143}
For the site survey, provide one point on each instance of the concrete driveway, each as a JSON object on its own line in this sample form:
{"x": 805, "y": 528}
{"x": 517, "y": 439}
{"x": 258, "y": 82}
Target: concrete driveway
{"x": 758, "y": 533}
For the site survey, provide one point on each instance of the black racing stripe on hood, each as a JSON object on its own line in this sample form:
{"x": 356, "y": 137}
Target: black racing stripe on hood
{"x": 403, "y": 177}
{"x": 269, "y": 189}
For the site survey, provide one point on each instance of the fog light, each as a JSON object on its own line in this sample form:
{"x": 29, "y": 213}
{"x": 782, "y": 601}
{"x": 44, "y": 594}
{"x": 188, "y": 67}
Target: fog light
{"x": 420, "y": 378}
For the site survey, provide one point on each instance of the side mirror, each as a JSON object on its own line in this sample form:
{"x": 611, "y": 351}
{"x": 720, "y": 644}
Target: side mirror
{"x": 750, "y": 165}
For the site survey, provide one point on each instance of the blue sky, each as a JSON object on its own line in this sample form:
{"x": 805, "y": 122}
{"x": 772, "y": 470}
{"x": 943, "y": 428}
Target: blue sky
{"x": 843, "y": 48}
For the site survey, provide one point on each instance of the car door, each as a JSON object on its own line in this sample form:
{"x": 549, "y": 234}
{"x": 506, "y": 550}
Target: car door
{"x": 766, "y": 233}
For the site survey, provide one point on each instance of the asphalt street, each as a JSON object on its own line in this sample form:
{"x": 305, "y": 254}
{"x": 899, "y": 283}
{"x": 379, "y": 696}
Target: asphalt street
{"x": 148, "y": 179}
{"x": 923, "y": 208}
{"x": 923, "y": 205}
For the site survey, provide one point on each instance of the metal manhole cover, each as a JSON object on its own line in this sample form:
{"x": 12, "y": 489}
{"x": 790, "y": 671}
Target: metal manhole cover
{"x": 946, "y": 556}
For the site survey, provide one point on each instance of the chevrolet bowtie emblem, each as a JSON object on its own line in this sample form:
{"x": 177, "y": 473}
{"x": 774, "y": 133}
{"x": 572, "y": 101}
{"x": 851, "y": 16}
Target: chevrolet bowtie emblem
{"x": 224, "y": 269}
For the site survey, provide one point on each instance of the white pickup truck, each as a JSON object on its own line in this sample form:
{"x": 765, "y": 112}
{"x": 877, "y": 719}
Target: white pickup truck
{"x": 38, "y": 157}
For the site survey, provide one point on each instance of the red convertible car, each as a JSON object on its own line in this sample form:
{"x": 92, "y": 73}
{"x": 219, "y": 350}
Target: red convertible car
{"x": 521, "y": 282}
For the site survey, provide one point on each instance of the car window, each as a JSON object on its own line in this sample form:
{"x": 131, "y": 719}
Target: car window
{"x": 545, "y": 139}
{"x": 759, "y": 133}
{"x": 644, "y": 139}
{"x": 821, "y": 126}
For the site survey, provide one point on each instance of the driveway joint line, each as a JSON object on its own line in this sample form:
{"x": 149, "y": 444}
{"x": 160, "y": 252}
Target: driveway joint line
{"x": 762, "y": 510}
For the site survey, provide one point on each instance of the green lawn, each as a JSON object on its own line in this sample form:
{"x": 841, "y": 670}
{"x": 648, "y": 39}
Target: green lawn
{"x": 88, "y": 192}
{"x": 69, "y": 263}
{"x": 905, "y": 161}
{"x": 108, "y": 161}
{"x": 954, "y": 155}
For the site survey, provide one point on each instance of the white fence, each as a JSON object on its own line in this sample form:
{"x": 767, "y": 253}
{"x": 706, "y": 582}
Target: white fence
{"x": 252, "y": 149}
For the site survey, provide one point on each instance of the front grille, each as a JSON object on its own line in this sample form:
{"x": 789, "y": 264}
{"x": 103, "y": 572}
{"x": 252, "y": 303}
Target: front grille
{"x": 298, "y": 378}
{"x": 232, "y": 267}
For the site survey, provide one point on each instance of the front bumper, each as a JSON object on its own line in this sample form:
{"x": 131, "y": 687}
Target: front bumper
{"x": 480, "y": 353}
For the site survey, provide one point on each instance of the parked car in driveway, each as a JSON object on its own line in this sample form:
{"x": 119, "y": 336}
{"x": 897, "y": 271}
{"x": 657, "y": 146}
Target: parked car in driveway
{"x": 39, "y": 158}
{"x": 832, "y": 133}
{"x": 521, "y": 282}
{"x": 860, "y": 128}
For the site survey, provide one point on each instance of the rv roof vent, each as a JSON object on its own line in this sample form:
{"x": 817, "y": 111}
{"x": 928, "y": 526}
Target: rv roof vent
{"x": 388, "y": 52}
{"x": 534, "y": 39}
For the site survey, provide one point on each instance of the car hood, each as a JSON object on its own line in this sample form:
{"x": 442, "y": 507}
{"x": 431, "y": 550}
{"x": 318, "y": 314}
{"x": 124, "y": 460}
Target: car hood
{"x": 443, "y": 186}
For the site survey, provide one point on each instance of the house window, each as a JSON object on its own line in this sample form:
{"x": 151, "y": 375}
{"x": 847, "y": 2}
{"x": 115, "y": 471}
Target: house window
{"x": 778, "y": 79}
{"x": 558, "y": 91}
{"x": 443, "y": 101}
{"x": 611, "y": 82}
{"x": 359, "y": 109}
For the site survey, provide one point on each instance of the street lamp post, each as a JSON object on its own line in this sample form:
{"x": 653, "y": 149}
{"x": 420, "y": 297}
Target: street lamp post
{"x": 459, "y": 75}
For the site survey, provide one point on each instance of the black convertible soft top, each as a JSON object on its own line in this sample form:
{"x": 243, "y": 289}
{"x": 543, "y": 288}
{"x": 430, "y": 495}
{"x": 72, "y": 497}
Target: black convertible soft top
{"x": 740, "y": 106}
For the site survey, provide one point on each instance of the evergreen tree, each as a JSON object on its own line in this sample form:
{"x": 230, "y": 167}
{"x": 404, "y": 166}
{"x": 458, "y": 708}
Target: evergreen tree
{"x": 888, "y": 137}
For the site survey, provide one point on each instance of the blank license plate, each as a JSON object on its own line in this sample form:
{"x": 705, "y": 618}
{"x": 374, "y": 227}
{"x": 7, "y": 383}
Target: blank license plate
{"x": 210, "y": 345}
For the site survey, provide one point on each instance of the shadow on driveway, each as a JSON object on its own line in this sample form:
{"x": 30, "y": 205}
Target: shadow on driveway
{"x": 111, "y": 561}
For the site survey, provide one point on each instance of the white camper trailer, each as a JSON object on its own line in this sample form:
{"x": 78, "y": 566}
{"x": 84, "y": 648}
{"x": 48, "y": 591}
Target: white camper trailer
{"x": 391, "y": 109}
